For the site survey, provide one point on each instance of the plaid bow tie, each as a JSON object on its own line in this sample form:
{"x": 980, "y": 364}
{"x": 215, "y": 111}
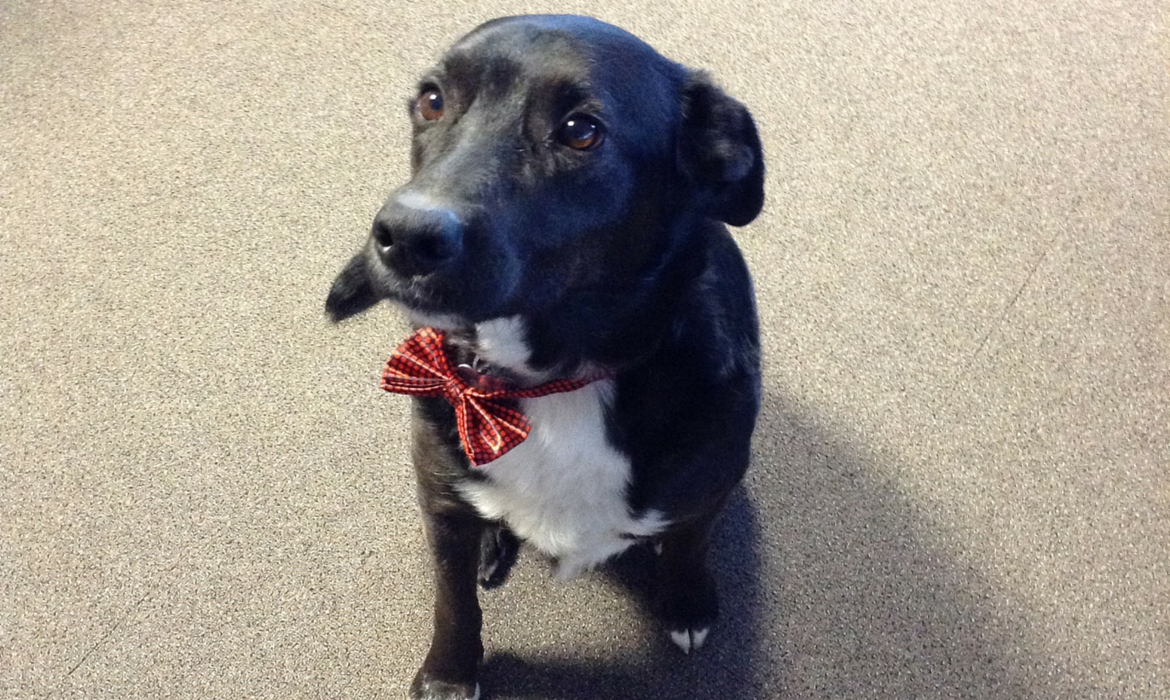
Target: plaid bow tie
{"x": 488, "y": 424}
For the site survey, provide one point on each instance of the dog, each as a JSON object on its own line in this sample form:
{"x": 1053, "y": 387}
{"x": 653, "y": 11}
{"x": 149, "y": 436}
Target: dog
{"x": 564, "y": 227}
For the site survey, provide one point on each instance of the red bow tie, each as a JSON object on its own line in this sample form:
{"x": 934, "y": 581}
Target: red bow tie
{"x": 488, "y": 425}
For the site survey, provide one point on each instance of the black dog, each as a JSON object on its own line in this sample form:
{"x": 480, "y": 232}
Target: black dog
{"x": 563, "y": 222}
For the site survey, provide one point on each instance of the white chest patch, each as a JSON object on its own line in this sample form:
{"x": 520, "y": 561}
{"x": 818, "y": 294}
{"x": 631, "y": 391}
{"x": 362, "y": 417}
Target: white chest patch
{"x": 564, "y": 488}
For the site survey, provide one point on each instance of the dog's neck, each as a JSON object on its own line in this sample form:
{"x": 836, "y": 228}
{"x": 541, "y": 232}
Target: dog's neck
{"x": 500, "y": 347}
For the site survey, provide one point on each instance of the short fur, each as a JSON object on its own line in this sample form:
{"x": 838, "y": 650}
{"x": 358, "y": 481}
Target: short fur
{"x": 543, "y": 261}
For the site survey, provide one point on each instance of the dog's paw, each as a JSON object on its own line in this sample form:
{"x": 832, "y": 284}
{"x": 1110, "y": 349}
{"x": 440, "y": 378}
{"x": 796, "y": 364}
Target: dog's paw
{"x": 424, "y": 689}
{"x": 689, "y": 608}
{"x": 689, "y": 639}
{"x": 498, "y": 549}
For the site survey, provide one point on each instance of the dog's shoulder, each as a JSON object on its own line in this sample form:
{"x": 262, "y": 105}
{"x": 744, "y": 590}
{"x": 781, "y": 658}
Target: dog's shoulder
{"x": 719, "y": 313}
{"x": 685, "y": 416}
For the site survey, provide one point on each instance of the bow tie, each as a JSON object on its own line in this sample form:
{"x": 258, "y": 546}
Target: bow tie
{"x": 488, "y": 423}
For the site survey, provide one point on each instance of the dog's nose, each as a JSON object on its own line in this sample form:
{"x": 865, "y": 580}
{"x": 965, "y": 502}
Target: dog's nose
{"x": 417, "y": 240}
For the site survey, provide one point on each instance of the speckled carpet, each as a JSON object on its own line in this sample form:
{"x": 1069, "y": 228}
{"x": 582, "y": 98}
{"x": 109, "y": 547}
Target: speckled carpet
{"x": 960, "y": 487}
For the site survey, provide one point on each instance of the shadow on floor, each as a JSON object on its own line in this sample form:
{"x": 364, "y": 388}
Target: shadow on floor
{"x": 831, "y": 586}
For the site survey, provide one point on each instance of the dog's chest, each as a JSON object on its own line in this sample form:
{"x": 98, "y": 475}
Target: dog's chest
{"x": 564, "y": 488}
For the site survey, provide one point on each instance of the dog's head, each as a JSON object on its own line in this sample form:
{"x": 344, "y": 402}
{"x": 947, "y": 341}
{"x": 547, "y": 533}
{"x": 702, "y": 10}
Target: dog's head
{"x": 553, "y": 158}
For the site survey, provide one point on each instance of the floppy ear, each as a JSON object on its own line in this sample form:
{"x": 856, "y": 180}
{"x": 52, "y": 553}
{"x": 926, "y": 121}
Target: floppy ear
{"x": 352, "y": 291}
{"x": 719, "y": 152}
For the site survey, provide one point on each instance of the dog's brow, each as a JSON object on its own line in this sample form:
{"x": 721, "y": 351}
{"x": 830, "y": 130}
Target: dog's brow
{"x": 571, "y": 93}
{"x": 456, "y": 62}
{"x": 497, "y": 72}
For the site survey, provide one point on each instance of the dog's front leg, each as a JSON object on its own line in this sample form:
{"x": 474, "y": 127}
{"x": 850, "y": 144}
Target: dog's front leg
{"x": 452, "y": 665}
{"x": 688, "y": 602}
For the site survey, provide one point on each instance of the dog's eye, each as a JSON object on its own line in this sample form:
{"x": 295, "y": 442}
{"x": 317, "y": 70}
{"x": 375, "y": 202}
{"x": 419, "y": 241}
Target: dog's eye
{"x": 580, "y": 132}
{"x": 430, "y": 105}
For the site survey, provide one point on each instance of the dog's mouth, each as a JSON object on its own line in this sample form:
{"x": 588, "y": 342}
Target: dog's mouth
{"x": 420, "y": 297}
{"x": 440, "y": 299}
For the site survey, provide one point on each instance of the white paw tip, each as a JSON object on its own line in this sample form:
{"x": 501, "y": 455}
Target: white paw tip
{"x": 689, "y": 640}
{"x": 698, "y": 637}
{"x": 476, "y": 696}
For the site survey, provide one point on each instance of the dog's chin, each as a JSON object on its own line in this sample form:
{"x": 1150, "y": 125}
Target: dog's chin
{"x": 425, "y": 310}
{"x": 440, "y": 304}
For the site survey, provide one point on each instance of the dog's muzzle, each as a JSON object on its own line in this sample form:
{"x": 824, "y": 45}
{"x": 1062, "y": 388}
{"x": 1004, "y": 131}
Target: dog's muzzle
{"x": 415, "y": 239}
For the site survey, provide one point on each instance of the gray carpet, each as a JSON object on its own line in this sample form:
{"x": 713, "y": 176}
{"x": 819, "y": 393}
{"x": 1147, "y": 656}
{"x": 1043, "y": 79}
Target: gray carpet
{"x": 960, "y": 485}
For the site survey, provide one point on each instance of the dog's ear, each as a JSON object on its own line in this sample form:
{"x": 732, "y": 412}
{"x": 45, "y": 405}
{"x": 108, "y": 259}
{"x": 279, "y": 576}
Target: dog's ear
{"x": 352, "y": 291}
{"x": 719, "y": 152}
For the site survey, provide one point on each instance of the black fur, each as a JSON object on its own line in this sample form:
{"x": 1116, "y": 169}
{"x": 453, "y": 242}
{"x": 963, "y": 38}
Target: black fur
{"x": 616, "y": 257}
